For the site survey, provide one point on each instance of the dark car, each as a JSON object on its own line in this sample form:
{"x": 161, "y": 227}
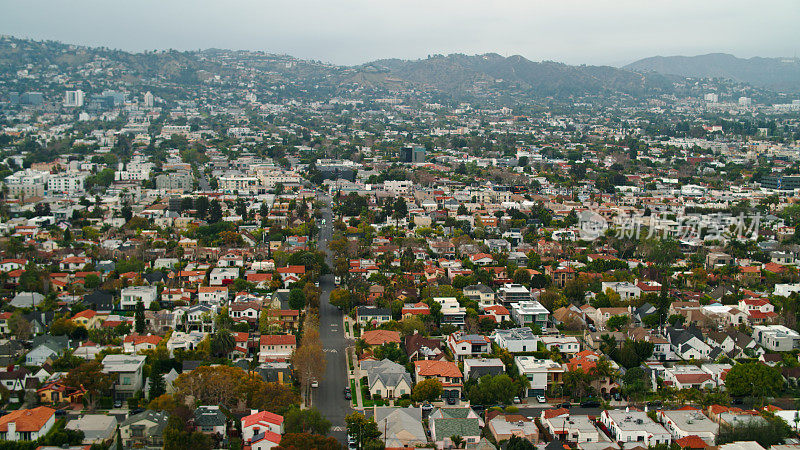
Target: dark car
{"x": 136, "y": 411}
{"x": 654, "y": 404}
{"x": 347, "y": 396}
{"x": 590, "y": 403}
{"x": 61, "y": 412}
{"x": 737, "y": 401}
{"x": 565, "y": 405}
{"x": 478, "y": 408}
{"x": 451, "y": 400}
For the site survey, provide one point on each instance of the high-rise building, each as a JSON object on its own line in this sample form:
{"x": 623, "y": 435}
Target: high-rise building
{"x": 745, "y": 101}
{"x": 711, "y": 97}
{"x": 73, "y": 99}
{"x": 149, "y": 99}
{"x": 414, "y": 154}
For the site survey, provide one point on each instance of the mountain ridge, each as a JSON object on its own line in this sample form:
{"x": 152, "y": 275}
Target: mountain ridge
{"x": 781, "y": 74}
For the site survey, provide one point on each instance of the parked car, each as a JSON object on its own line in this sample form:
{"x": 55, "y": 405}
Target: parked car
{"x": 590, "y": 403}
{"x": 61, "y": 412}
{"x": 427, "y": 407}
{"x": 347, "y": 395}
{"x": 136, "y": 411}
{"x": 314, "y": 383}
{"x": 541, "y": 399}
{"x": 517, "y": 400}
{"x": 117, "y": 403}
{"x": 451, "y": 400}
{"x": 566, "y": 405}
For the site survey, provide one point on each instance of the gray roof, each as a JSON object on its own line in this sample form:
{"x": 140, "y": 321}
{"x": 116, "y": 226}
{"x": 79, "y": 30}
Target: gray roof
{"x": 27, "y": 299}
{"x": 158, "y": 417}
{"x": 209, "y": 416}
{"x": 402, "y": 426}
{"x": 480, "y": 288}
{"x": 446, "y": 427}
{"x": 389, "y": 373}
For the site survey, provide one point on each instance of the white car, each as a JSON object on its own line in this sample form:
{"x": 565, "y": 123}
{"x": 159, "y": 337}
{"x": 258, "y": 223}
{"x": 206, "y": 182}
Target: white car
{"x": 314, "y": 383}
{"x": 541, "y": 399}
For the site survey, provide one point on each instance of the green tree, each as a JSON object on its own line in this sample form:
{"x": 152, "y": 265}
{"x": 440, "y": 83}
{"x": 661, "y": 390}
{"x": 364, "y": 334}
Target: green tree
{"x": 297, "y": 300}
{"x": 427, "y": 390}
{"x": 753, "y": 379}
{"x": 90, "y": 375}
{"x": 139, "y": 317}
{"x": 365, "y": 430}
{"x": 308, "y": 420}
{"x": 518, "y": 443}
{"x": 299, "y": 441}
{"x": 617, "y": 322}
{"x": 222, "y": 343}
{"x": 214, "y": 211}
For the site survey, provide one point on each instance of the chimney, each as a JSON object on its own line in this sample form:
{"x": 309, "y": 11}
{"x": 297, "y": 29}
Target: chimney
{"x": 11, "y": 435}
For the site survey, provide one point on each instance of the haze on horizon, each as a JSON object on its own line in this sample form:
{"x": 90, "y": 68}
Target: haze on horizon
{"x": 357, "y": 31}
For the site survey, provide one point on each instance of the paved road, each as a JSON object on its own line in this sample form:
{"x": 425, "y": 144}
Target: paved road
{"x": 329, "y": 397}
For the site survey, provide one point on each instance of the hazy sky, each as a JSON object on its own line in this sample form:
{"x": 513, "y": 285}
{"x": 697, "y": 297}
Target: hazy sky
{"x": 356, "y": 31}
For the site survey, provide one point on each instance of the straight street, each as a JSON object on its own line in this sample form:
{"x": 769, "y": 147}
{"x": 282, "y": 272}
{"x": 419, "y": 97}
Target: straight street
{"x": 329, "y": 397}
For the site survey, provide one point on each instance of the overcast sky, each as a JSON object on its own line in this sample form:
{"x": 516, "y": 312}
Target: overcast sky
{"x": 356, "y": 31}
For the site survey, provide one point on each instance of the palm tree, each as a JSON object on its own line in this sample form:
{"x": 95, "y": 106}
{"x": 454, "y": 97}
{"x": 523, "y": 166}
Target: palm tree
{"x": 458, "y": 441}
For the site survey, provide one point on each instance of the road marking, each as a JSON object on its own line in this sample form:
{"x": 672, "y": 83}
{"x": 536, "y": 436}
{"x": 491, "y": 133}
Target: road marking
{"x": 330, "y": 350}
{"x": 337, "y": 429}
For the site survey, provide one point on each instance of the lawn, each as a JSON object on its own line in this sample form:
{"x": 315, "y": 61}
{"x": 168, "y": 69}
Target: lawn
{"x": 354, "y": 399}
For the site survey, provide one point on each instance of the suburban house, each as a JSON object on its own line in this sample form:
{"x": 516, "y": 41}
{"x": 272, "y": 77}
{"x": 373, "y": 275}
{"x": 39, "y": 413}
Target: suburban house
{"x": 27, "y": 424}
{"x": 276, "y": 347}
{"x": 222, "y": 276}
{"x": 128, "y": 368}
{"x": 261, "y": 423}
{"x": 568, "y": 345}
{"x": 134, "y": 294}
{"x": 210, "y": 420}
{"x": 541, "y": 373}
{"x": 386, "y": 379}
{"x": 447, "y": 422}
{"x": 571, "y": 428}
{"x": 452, "y": 312}
{"x": 480, "y": 293}
{"x": 400, "y": 427}
{"x": 634, "y": 426}
{"x": 516, "y": 339}
{"x": 97, "y": 428}
{"x": 381, "y": 337}
{"x": 474, "y": 368}
{"x": 530, "y": 313}
{"x": 686, "y": 422}
{"x": 372, "y": 314}
{"x": 446, "y": 372}
{"x": 212, "y": 295}
{"x": 464, "y": 345}
{"x": 504, "y": 426}
{"x": 419, "y": 347}
{"x": 144, "y": 430}
{"x": 777, "y": 338}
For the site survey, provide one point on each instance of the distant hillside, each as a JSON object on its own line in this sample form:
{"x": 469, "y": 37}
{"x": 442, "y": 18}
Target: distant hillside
{"x": 781, "y": 74}
{"x": 463, "y": 74}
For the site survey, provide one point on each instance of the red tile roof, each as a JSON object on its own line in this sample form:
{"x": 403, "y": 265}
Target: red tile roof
{"x": 278, "y": 339}
{"x": 263, "y": 416}
{"x": 27, "y": 420}
{"x": 380, "y": 337}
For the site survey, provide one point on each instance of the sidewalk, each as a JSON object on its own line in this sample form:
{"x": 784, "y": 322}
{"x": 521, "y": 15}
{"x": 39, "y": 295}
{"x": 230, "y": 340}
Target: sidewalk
{"x": 350, "y": 353}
